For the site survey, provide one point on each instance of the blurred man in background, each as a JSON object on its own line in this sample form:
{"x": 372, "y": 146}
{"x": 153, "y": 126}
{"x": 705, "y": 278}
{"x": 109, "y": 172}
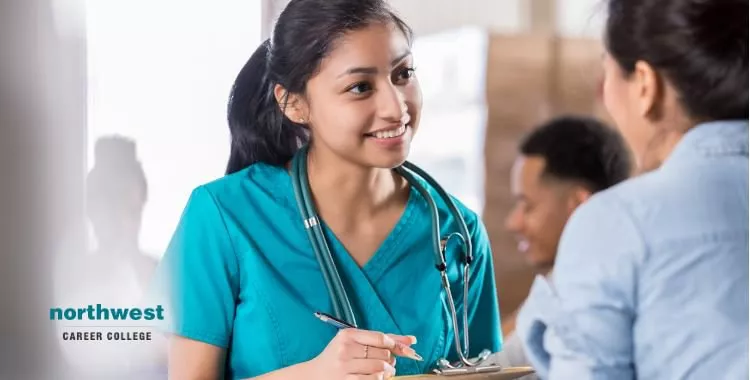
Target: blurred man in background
{"x": 560, "y": 165}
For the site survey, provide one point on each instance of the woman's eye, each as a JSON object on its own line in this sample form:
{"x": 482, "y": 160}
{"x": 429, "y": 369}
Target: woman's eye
{"x": 360, "y": 88}
{"x": 405, "y": 74}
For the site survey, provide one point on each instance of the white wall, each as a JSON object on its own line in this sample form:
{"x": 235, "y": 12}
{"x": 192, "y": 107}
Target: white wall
{"x": 160, "y": 72}
{"x": 573, "y": 18}
{"x": 580, "y": 18}
{"x": 449, "y": 144}
{"x": 433, "y": 16}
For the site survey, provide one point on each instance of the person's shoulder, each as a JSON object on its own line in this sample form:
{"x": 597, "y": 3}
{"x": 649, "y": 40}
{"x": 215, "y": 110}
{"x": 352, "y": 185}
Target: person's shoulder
{"x": 642, "y": 187}
{"x": 235, "y": 187}
{"x": 612, "y": 204}
{"x": 249, "y": 176}
{"x": 651, "y": 198}
{"x": 630, "y": 198}
{"x": 666, "y": 188}
{"x": 470, "y": 216}
{"x": 606, "y": 221}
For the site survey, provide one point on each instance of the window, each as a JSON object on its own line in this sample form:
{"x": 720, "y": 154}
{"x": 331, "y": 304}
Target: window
{"x": 160, "y": 73}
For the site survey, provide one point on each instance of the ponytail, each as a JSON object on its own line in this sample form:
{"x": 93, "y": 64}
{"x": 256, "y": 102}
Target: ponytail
{"x": 260, "y": 131}
{"x": 304, "y": 33}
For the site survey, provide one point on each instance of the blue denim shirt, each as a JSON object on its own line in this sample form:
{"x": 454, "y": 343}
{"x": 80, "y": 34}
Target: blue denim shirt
{"x": 651, "y": 277}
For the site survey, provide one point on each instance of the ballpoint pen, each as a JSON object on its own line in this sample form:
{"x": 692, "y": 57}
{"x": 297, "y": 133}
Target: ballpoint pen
{"x": 335, "y": 322}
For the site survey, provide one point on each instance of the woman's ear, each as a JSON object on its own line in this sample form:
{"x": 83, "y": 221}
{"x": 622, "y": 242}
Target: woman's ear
{"x": 648, "y": 91}
{"x": 293, "y": 106}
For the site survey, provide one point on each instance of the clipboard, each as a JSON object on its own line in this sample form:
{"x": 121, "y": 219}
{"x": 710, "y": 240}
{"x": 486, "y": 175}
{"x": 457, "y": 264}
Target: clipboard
{"x": 508, "y": 373}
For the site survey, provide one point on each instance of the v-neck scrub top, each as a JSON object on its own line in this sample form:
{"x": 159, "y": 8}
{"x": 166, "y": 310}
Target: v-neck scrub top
{"x": 243, "y": 276}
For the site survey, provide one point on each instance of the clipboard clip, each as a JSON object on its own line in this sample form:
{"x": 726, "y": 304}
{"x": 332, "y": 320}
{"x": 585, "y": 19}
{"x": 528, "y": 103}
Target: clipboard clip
{"x": 492, "y": 368}
{"x": 458, "y": 369}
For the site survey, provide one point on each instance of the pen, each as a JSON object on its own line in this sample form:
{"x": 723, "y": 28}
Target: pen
{"x": 335, "y": 322}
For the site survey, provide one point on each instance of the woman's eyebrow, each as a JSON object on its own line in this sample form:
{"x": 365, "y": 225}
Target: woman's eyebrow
{"x": 373, "y": 70}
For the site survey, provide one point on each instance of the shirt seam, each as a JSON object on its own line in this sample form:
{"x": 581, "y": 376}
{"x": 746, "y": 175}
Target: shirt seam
{"x": 710, "y": 236}
{"x": 618, "y": 202}
{"x": 645, "y": 246}
{"x": 226, "y": 232}
{"x": 236, "y": 297}
{"x": 259, "y": 295}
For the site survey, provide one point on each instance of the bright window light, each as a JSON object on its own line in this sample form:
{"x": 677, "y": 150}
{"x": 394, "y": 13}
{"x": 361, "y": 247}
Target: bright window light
{"x": 160, "y": 73}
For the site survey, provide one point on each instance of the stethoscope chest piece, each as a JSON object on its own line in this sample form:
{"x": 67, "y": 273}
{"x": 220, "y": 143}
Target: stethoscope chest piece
{"x": 458, "y": 371}
{"x": 445, "y": 368}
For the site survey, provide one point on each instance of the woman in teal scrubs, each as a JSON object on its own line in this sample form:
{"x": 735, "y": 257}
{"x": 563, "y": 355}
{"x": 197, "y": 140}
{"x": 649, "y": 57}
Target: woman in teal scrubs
{"x": 339, "y": 75}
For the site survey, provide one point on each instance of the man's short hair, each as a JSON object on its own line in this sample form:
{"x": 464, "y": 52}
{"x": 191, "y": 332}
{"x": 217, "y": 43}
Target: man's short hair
{"x": 580, "y": 149}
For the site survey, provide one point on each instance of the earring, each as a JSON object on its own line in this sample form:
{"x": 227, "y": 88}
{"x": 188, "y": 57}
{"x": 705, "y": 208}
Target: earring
{"x": 301, "y": 121}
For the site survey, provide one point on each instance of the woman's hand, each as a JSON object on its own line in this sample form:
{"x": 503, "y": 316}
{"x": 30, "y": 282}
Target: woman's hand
{"x": 355, "y": 354}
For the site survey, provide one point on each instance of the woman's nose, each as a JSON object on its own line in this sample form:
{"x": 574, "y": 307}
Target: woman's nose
{"x": 392, "y": 105}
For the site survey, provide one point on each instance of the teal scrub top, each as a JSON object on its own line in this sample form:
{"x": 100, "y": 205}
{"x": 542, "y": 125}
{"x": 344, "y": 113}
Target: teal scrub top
{"x": 243, "y": 277}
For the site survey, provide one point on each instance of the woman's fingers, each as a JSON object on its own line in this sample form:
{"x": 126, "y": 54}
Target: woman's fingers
{"x": 408, "y": 340}
{"x": 354, "y": 350}
{"x": 377, "y": 354}
{"x": 403, "y": 350}
{"x": 369, "y": 367}
{"x": 361, "y": 355}
{"x": 403, "y": 344}
{"x": 397, "y": 344}
{"x": 369, "y": 338}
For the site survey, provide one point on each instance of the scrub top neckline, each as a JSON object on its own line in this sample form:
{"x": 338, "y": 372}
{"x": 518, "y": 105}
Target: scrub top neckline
{"x": 386, "y": 253}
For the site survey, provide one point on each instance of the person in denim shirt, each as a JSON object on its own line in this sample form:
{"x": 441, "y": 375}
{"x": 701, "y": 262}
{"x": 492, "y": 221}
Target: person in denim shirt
{"x": 651, "y": 275}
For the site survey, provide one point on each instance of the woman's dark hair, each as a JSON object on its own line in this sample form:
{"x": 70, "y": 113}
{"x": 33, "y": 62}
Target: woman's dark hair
{"x": 304, "y": 33}
{"x": 699, "y": 46}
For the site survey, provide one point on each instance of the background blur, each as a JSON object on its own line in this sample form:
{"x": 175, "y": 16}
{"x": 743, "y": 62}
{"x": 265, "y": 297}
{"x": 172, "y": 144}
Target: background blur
{"x": 156, "y": 75}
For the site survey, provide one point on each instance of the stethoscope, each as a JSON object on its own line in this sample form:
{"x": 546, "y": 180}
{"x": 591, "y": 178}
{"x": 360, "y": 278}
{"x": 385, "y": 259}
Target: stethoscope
{"x": 342, "y": 308}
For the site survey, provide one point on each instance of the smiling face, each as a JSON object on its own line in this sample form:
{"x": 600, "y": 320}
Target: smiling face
{"x": 363, "y": 104}
{"x": 542, "y": 208}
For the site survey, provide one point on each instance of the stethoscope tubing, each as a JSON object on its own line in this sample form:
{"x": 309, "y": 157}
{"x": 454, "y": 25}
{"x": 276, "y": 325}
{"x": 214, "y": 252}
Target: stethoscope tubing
{"x": 339, "y": 298}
